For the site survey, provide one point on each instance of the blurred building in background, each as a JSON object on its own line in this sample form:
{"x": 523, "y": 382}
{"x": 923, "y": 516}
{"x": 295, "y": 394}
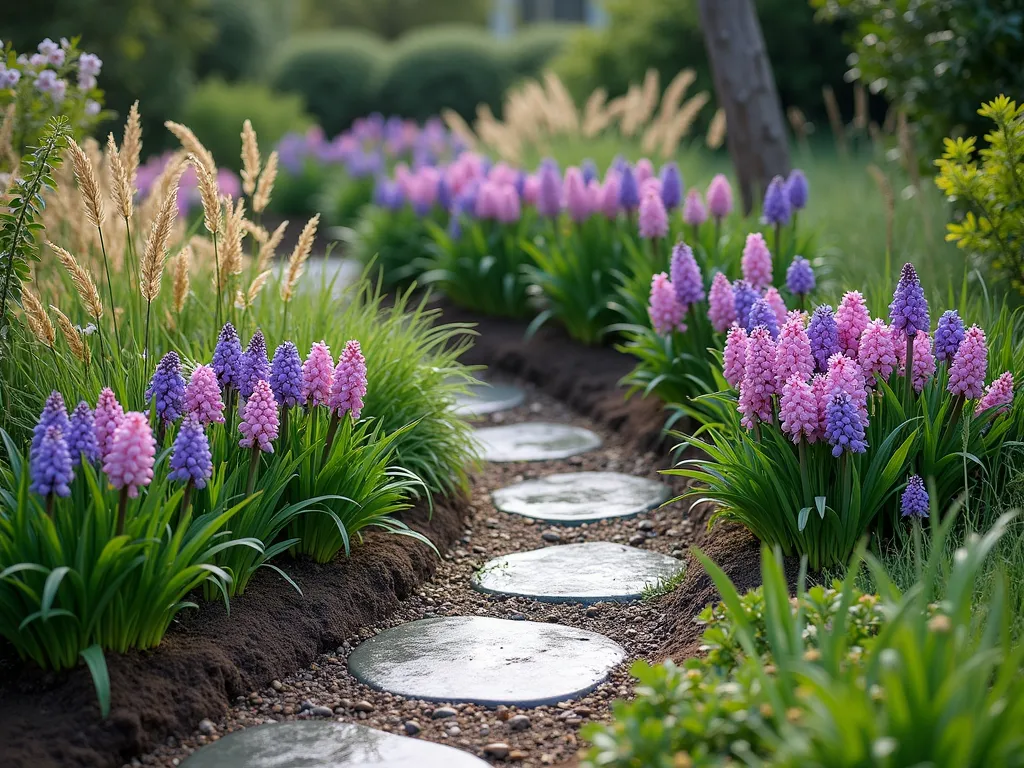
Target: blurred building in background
{"x": 508, "y": 15}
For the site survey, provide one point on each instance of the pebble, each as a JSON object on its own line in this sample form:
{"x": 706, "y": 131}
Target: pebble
{"x": 276, "y": 685}
{"x": 637, "y": 540}
{"x": 498, "y": 749}
{"x": 412, "y": 727}
{"x": 552, "y": 536}
{"x": 363, "y": 706}
{"x": 206, "y": 727}
{"x": 442, "y": 712}
{"x": 646, "y": 525}
{"x": 519, "y": 723}
{"x": 321, "y": 712}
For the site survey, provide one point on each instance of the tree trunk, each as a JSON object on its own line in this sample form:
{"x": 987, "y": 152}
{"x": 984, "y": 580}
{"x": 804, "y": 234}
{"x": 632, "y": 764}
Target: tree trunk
{"x": 745, "y": 87}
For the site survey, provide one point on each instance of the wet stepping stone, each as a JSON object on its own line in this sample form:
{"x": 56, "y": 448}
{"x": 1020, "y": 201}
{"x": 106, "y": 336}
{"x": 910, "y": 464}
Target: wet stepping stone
{"x": 485, "y": 661}
{"x": 482, "y": 399}
{"x": 577, "y": 573}
{"x": 581, "y": 497}
{"x": 535, "y": 441}
{"x": 325, "y": 745}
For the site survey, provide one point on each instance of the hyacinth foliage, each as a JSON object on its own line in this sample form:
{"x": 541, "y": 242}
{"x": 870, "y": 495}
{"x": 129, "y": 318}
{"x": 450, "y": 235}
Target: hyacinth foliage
{"x": 834, "y": 676}
{"x": 396, "y": 242}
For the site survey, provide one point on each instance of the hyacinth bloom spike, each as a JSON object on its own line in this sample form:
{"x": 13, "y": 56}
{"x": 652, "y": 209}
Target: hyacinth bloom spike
{"x": 609, "y": 206}
{"x": 652, "y": 221}
{"x": 908, "y": 311}
{"x": 721, "y": 303}
{"x": 762, "y": 314}
{"x": 719, "y": 197}
{"x": 50, "y": 467}
{"x": 629, "y": 189}
{"x": 54, "y": 414}
{"x": 694, "y": 211}
{"x": 852, "y": 317}
{"x": 107, "y": 416}
{"x": 877, "y": 352}
{"x": 797, "y": 189}
{"x": 757, "y": 261}
{"x": 844, "y": 430}
{"x": 777, "y": 210}
{"x": 286, "y": 376}
{"x": 577, "y": 199}
{"x": 800, "y": 279}
{"x": 589, "y": 169}
{"x": 967, "y": 373}
{"x": 793, "y": 355}
{"x": 758, "y": 383}
{"x": 734, "y": 359}
{"x": 744, "y": 297}
{"x": 798, "y": 410}
{"x": 129, "y": 465}
{"x": 203, "y": 397}
{"x": 822, "y": 394}
{"x": 255, "y": 365}
{"x": 549, "y": 194}
{"x": 227, "y": 359}
{"x": 644, "y": 170}
{"x": 824, "y": 335}
{"x": 260, "y": 422}
{"x": 948, "y": 334}
{"x": 81, "y": 437}
{"x": 664, "y": 309}
{"x": 167, "y": 389}
{"x": 999, "y": 394}
{"x": 924, "y": 361}
{"x": 915, "y": 501}
{"x": 317, "y": 375}
{"x": 671, "y": 186}
{"x": 846, "y": 374}
{"x": 685, "y": 274}
{"x": 191, "y": 461}
{"x": 349, "y": 386}
{"x": 774, "y": 299}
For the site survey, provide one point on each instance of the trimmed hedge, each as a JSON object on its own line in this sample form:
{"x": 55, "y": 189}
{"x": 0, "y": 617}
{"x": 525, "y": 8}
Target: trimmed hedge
{"x": 335, "y": 73}
{"x": 243, "y": 31}
{"x": 529, "y": 52}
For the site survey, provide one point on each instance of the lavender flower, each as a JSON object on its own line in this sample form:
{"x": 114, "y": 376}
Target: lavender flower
{"x": 50, "y": 466}
{"x": 796, "y": 189}
{"x": 167, "y": 389}
{"x": 914, "y": 502}
{"x": 82, "y": 442}
{"x": 227, "y": 359}
{"x": 255, "y": 366}
{"x": 776, "y": 202}
{"x": 686, "y": 277}
{"x": 823, "y": 332}
{"x": 908, "y": 311}
{"x": 761, "y": 313}
{"x": 190, "y": 459}
{"x": 948, "y": 335}
{"x": 744, "y": 296}
{"x": 800, "y": 277}
{"x": 844, "y": 429}
{"x": 286, "y": 375}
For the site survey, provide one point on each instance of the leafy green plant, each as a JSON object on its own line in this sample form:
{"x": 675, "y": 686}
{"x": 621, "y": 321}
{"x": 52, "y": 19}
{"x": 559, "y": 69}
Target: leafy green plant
{"x": 396, "y": 242}
{"x": 987, "y": 195}
{"x": 345, "y": 197}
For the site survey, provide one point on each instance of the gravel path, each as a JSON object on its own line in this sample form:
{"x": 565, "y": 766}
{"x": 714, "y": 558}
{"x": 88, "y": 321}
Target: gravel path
{"x": 534, "y": 737}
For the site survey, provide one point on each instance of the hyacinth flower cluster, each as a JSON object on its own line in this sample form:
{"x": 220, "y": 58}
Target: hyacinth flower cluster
{"x": 783, "y": 200}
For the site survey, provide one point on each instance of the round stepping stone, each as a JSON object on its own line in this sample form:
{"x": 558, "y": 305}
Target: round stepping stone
{"x": 535, "y": 441}
{"x": 485, "y": 661}
{"x": 577, "y": 573}
{"x": 575, "y": 498}
{"x": 325, "y": 745}
{"x": 482, "y": 399}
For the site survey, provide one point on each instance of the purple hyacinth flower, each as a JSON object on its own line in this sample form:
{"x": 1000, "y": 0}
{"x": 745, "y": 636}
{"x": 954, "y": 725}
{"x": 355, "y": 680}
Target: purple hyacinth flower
{"x": 82, "y": 442}
{"x": 776, "y": 202}
{"x": 629, "y": 191}
{"x": 254, "y": 366}
{"x": 54, "y": 414}
{"x": 671, "y": 186}
{"x": 589, "y": 168}
{"x": 915, "y": 501}
{"x": 167, "y": 389}
{"x": 948, "y": 335}
{"x": 844, "y": 429}
{"x": 50, "y": 467}
{"x": 286, "y": 375}
{"x": 800, "y": 277}
{"x": 549, "y": 198}
{"x": 761, "y": 313}
{"x": 823, "y": 332}
{"x": 797, "y": 190}
{"x": 685, "y": 274}
{"x": 744, "y": 296}
{"x": 227, "y": 359}
{"x": 455, "y": 223}
{"x": 908, "y": 311}
{"x": 444, "y": 194}
{"x": 191, "y": 459}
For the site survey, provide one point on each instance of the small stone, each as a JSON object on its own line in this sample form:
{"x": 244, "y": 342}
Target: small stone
{"x": 517, "y": 616}
{"x": 516, "y": 754}
{"x": 637, "y": 540}
{"x": 277, "y": 685}
{"x": 552, "y": 536}
{"x": 306, "y": 704}
{"x": 321, "y": 712}
{"x": 363, "y": 706}
{"x": 412, "y": 727}
{"x": 346, "y": 703}
{"x": 442, "y": 712}
{"x": 206, "y": 727}
{"x": 593, "y": 612}
{"x": 485, "y": 730}
{"x": 453, "y": 730}
{"x": 498, "y": 749}
{"x": 519, "y": 723}
{"x": 645, "y": 525}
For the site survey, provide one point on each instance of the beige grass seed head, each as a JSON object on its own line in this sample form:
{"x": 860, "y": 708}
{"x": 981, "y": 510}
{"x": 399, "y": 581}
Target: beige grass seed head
{"x": 85, "y": 286}
{"x": 250, "y": 158}
{"x": 265, "y": 186}
{"x": 297, "y": 261}
{"x": 88, "y": 183}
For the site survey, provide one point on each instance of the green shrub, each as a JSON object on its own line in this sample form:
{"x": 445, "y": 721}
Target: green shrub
{"x": 530, "y": 51}
{"x": 334, "y": 72}
{"x": 216, "y": 111}
{"x": 391, "y": 19}
{"x": 242, "y": 34}
{"x": 988, "y": 196}
{"x": 455, "y": 67}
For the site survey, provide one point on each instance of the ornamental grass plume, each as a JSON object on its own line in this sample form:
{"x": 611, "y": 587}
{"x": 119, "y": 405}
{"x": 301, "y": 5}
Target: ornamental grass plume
{"x": 250, "y": 158}
{"x": 800, "y": 279}
{"x": 777, "y": 210}
{"x": 852, "y": 317}
{"x": 81, "y": 435}
{"x": 758, "y": 383}
{"x": 166, "y": 390}
{"x": 297, "y": 260}
{"x": 844, "y": 430}
{"x": 762, "y": 314}
{"x": 664, "y": 310}
{"x": 744, "y": 297}
{"x": 122, "y": 190}
{"x": 915, "y": 501}
{"x": 797, "y": 190}
{"x": 203, "y": 396}
{"x": 629, "y": 189}
{"x": 254, "y": 365}
{"x": 924, "y": 361}
{"x": 50, "y": 467}
{"x": 775, "y": 301}
{"x": 685, "y": 273}
{"x": 793, "y": 354}
{"x": 694, "y": 211}
{"x": 876, "y": 352}
{"x": 757, "y": 261}
{"x": 181, "y": 284}
{"x": 734, "y": 359}
{"x": 317, "y": 375}
{"x": 824, "y": 335}
{"x": 349, "y": 385}
{"x": 846, "y": 374}
{"x": 191, "y": 461}
{"x": 719, "y": 198}
{"x": 721, "y": 303}
{"x": 265, "y": 186}
{"x": 798, "y": 410}
{"x": 949, "y": 332}
{"x": 999, "y": 394}
{"x": 652, "y": 220}
{"x": 286, "y": 376}
{"x": 671, "y": 186}
{"x": 227, "y": 360}
{"x": 967, "y": 373}
{"x": 107, "y": 417}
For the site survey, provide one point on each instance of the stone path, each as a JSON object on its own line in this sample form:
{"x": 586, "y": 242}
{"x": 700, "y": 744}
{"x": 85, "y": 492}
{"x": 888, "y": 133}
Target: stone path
{"x": 535, "y": 441}
{"x": 484, "y": 399}
{"x": 498, "y": 639}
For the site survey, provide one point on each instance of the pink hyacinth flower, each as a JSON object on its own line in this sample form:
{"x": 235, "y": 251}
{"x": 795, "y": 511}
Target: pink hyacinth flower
{"x": 846, "y": 374}
{"x": 643, "y": 171}
{"x": 694, "y": 212}
{"x": 129, "y": 464}
{"x": 509, "y": 209}
{"x": 719, "y": 197}
{"x": 317, "y": 375}
{"x": 531, "y": 189}
{"x": 259, "y": 420}
{"x": 202, "y": 396}
{"x": 758, "y": 384}
{"x": 877, "y": 352}
{"x": 798, "y": 410}
{"x": 594, "y": 195}
{"x": 665, "y": 311}
{"x": 775, "y": 301}
{"x": 575, "y": 195}
{"x": 721, "y": 303}
{"x": 734, "y": 358}
{"x": 822, "y": 393}
{"x": 756, "y": 262}
{"x": 924, "y": 360}
{"x": 609, "y": 206}
{"x": 967, "y": 373}
{"x": 998, "y": 395}
{"x": 852, "y": 317}
{"x": 108, "y": 416}
{"x": 793, "y": 352}
{"x": 652, "y": 219}
{"x": 349, "y": 387}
